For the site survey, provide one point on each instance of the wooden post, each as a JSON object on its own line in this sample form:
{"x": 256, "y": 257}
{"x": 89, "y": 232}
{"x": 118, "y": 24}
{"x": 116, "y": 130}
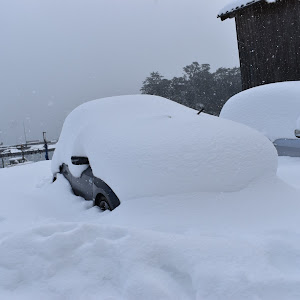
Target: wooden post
{"x": 23, "y": 154}
{"x": 46, "y": 146}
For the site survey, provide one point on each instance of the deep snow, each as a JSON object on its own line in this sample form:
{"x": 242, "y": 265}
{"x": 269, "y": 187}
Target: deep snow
{"x": 241, "y": 245}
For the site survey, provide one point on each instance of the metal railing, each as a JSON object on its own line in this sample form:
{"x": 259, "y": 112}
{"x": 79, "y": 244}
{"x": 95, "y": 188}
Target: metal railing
{"x": 6, "y": 154}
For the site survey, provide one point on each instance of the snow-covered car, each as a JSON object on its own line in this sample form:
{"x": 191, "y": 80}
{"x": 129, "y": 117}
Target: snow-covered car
{"x": 141, "y": 146}
{"x": 272, "y": 109}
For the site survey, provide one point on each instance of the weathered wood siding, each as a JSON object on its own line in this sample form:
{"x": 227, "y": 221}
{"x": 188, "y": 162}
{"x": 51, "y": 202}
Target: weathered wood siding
{"x": 269, "y": 42}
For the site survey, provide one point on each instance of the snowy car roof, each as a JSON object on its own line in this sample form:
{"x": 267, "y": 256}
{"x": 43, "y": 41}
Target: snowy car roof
{"x": 229, "y": 9}
{"x": 143, "y": 145}
{"x": 272, "y": 109}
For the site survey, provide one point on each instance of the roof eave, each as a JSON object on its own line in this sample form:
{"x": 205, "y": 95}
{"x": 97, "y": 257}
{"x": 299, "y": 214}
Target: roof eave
{"x": 231, "y": 14}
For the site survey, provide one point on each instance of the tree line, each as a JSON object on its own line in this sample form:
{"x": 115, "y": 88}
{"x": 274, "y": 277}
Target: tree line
{"x": 198, "y": 87}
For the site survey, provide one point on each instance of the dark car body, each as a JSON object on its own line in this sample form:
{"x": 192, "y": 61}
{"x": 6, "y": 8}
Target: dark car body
{"x": 91, "y": 188}
{"x": 287, "y": 147}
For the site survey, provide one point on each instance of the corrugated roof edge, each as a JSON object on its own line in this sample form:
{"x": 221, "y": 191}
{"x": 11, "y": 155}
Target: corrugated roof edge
{"x": 225, "y": 14}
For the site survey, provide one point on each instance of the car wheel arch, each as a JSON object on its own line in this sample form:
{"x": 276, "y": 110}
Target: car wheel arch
{"x": 101, "y": 196}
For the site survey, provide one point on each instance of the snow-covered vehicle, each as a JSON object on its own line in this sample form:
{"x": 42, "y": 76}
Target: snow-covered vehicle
{"x": 119, "y": 148}
{"x": 272, "y": 109}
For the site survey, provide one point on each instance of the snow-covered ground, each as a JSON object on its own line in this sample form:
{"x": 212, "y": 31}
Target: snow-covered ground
{"x": 240, "y": 245}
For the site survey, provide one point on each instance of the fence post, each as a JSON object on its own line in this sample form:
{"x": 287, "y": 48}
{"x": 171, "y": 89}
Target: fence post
{"x": 46, "y": 146}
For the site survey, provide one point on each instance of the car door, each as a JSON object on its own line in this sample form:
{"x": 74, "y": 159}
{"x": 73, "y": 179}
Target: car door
{"x": 83, "y": 185}
{"x": 87, "y": 182}
{"x": 66, "y": 172}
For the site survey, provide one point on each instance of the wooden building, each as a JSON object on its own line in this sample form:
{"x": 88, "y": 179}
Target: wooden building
{"x": 268, "y": 34}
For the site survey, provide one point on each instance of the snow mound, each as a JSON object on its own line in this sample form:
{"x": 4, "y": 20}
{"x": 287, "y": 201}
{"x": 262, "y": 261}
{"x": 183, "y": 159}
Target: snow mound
{"x": 90, "y": 261}
{"x": 229, "y": 246}
{"x": 86, "y": 261}
{"x": 272, "y": 109}
{"x": 146, "y": 145}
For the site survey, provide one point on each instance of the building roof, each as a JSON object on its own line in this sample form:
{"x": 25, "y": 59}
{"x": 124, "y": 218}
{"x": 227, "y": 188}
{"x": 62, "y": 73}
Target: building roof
{"x": 229, "y": 10}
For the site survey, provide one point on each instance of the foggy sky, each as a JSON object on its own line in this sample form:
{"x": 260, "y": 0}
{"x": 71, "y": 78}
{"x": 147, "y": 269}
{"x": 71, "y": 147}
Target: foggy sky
{"x": 57, "y": 54}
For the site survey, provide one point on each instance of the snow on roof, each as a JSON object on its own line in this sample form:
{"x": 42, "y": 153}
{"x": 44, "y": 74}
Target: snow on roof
{"x": 272, "y": 109}
{"x": 238, "y": 4}
{"x": 145, "y": 145}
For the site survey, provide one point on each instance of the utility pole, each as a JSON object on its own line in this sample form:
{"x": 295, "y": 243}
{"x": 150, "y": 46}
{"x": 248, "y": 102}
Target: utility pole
{"x": 45, "y": 146}
{"x": 25, "y": 133}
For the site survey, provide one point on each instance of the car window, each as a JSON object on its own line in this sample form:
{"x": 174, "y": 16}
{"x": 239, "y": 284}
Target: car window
{"x": 88, "y": 172}
{"x": 287, "y": 142}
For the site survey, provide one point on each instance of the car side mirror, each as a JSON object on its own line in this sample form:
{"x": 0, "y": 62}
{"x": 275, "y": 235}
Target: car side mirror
{"x": 79, "y": 160}
{"x": 297, "y": 133}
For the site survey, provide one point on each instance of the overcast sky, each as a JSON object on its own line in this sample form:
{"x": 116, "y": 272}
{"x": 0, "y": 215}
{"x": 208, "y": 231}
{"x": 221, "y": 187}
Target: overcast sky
{"x": 57, "y": 54}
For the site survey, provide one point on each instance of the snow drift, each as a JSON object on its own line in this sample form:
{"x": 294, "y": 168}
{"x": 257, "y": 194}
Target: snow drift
{"x": 229, "y": 246}
{"x": 75, "y": 261}
{"x": 146, "y": 145}
{"x": 272, "y": 109}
